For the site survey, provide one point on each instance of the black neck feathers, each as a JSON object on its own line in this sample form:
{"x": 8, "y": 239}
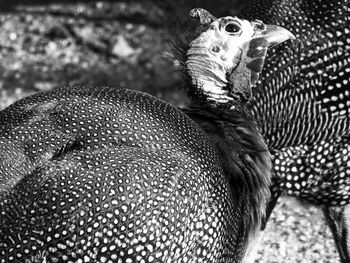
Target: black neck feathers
{"x": 244, "y": 157}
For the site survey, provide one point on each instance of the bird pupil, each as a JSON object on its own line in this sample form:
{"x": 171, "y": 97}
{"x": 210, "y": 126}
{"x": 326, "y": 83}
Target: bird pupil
{"x": 232, "y": 28}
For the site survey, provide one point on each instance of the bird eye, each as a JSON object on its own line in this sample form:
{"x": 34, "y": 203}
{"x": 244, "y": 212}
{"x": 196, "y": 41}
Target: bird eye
{"x": 232, "y": 28}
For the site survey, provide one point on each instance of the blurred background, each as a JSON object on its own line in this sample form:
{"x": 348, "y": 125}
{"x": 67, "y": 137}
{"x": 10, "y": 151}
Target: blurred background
{"x": 48, "y": 44}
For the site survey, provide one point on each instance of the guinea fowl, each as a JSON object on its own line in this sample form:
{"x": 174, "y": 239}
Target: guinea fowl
{"x": 303, "y": 103}
{"x": 109, "y": 175}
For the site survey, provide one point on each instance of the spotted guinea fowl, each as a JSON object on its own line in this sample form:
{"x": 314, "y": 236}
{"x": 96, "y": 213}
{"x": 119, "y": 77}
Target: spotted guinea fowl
{"x": 109, "y": 175}
{"x": 303, "y": 103}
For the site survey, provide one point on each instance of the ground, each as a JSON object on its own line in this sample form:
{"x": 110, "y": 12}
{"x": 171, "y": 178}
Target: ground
{"x": 128, "y": 44}
{"x": 297, "y": 233}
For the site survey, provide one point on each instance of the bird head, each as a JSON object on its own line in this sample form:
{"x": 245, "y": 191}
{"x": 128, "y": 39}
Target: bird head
{"x": 224, "y": 60}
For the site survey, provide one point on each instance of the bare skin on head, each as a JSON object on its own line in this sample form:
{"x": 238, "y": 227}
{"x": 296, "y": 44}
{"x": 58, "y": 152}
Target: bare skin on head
{"x": 224, "y": 61}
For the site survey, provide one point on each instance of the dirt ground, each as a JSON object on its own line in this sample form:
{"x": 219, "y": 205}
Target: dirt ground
{"x": 127, "y": 44}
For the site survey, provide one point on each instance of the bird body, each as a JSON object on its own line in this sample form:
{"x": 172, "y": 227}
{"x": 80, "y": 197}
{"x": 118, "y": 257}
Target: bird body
{"x": 108, "y": 175}
{"x": 302, "y": 102}
{"x": 305, "y": 83}
{"x": 107, "y": 169}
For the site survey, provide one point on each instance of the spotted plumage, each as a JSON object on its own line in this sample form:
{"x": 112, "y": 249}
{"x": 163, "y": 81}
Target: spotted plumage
{"x": 303, "y": 103}
{"x": 110, "y": 175}
{"x": 93, "y": 174}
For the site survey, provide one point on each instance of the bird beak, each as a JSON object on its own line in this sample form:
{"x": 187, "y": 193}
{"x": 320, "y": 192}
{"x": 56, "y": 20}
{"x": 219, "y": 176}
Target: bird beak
{"x": 273, "y": 34}
{"x": 276, "y": 35}
{"x": 264, "y": 37}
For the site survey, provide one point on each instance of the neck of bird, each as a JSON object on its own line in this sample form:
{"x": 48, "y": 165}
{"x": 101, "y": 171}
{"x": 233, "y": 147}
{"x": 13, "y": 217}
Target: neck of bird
{"x": 244, "y": 157}
{"x": 208, "y": 75}
{"x": 211, "y": 83}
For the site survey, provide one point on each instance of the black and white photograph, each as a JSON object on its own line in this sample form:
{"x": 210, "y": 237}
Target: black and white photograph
{"x": 175, "y": 131}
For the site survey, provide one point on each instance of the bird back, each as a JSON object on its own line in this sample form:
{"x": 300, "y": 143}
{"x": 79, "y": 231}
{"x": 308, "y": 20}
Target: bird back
{"x": 112, "y": 171}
